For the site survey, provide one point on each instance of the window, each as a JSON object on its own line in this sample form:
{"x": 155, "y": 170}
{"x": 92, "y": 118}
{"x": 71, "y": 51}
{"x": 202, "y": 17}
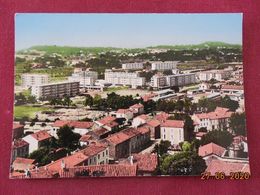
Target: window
{"x": 106, "y": 152}
{"x": 103, "y": 154}
{"x": 99, "y": 156}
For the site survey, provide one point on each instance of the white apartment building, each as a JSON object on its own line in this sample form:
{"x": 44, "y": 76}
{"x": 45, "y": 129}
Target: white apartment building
{"x": 124, "y": 78}
{"x": 167, "y": 65}
{"x": 172, "y": 130}
{"x": 29, "y": 80}
{"x": 53, "y": 90}
{"x": 158, "y": 81}
{"x": 129, "y": 66}
{"x": 85, "y": 78}
{"x": 217, "y": 120}
{"x": 219, "y": 75}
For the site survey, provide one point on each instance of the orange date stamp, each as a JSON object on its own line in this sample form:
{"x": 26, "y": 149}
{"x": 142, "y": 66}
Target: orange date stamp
{"x": 222, "y": 175}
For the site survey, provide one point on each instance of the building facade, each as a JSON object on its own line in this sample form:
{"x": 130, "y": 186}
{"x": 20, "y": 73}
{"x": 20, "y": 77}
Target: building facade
{"x": 167, "y": 65}
{"x": 85, "y": 78}
{"x": 54, "y": 90}
{"x": 129, "y": 66}
{"x": 28, "y": 80}
{"x": 124, "y": 78}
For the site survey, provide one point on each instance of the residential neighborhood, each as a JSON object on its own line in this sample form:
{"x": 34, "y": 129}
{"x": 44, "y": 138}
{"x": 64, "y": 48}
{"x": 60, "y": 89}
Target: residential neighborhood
{"x": 120, "y": 95}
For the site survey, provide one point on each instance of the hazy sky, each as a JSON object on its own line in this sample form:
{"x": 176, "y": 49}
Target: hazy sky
{"x": 125, "y": 30}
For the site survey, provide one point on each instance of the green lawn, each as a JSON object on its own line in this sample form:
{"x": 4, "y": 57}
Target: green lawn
{"x": 28, "y": 111}
{"x": 114, "y": 89}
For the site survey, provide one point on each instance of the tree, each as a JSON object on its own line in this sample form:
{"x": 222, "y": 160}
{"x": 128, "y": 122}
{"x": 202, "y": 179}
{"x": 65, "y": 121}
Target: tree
{"x": 238, "y": 123}
{"x": 67, "y": 101}
{"x": 222, "y": 138}
{"x": 188, "y": 128}
{"x": 226, "y": 102}
{"x": 67, "y": 138}
{"x": 162, "y": 147}
{"x": 186, "y": 146}
{"x": 88, "y": 100}
{"x": 41, "y": 156}
{"x": 183, "y": 163}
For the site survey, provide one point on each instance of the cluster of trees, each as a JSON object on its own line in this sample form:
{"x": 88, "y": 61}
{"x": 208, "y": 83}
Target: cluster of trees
{"x": 185, "y": 162}
{"x": 67, "y": 142}
{"x": 180, "y": 106}
{"x": 49, "y": 60}
{"x": 222, "y": 138}
{"x": 66, "y": 101}
{"x": 115, "y": 101}
{"x": 237, "y": 123}
{"x": 207, "y": 105}
{"x": 21, "y": 99}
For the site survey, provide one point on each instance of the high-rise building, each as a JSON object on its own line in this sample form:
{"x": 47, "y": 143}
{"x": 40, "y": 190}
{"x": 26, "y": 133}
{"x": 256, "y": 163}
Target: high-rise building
{"x": 29, "y": 80}
{"x": 167, "y": 65}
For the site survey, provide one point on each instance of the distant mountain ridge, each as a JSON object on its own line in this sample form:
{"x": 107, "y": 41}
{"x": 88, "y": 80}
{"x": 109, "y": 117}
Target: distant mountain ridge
{"x": 74, "y": 49}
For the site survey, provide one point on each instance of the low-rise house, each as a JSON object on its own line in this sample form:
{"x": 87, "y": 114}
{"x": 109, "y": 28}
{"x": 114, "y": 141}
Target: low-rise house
{"x": 238, "y": 148}
{"x": 137, "y": 109}
{"x": 99, "y": 133}
{"x": 232, "y": 89}
{"x": 119, "y": 145}
{"x": 128, "y": 141}
{"x": 80, "y": 127}
{"x": 216, "y": 120}
{"x": 124, "y": 113}
{"x": 172, "y": 130}
{"x": 93, "y": 154}
{"x": 210, "y": 149}
{"x": 20, "y": 148}
{"x": 199, "y": 135}
{"x": 227, "y": 167}
{"x": 18, "y": 130}
{"x": 140, "y": 120}
{"x": 154, "y": 126}
{"x": 37, "y": 140}
{"x": 108, "y": 122}
{"x": 204, "y": 86}
{"x": 162, "y": 116}
{"x": 21, "y": 164}
{"x": 86, "y": 140}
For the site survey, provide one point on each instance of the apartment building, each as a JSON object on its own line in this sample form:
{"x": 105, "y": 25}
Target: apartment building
{"x": 28, "y": 80}
{"x": 124, "y": 78}
{"x": 85, "y": 78}
{"x": 173, "y": 131}
{"x": 219, "y": 75}
{"x": 167, "y": 65}
{"x": 53, "y": 90}
{"x": 129, "y": 66}
{"x": 159, "y": 81}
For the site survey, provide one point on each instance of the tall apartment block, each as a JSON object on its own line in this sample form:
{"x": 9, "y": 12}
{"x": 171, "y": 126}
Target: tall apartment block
{"x": 53, "y": 90}
{"x": 160, "y": 81}
{"x": 167, "y": 65}
{"x": 29, "y": 80}
{"x": 124, "y": 78}
{"x": 130, "y": 66}
{"x": 85, "y": 78}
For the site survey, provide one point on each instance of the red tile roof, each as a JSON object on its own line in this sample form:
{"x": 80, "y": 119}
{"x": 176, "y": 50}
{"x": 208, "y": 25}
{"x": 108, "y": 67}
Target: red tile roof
{"x": 173, "y": 123}
{"x": 143, "y": 116}
{"x": 123, "y": 111}
{"x": 20, "y": 160}
{"x": 107, "y": 120}
{"x": 143, "y": 129}
{"x": 163, "y": 116}
{"x": 85, "y": 138}
{"x": 232, "y": 87}
{"x": 136, "y": 106}
{"x": 200, "y": 134}
{"x": 219, "y": 113}
{"x": 76, "y": 124}
{"x": 153, "y": 123}
{"x": 227, "y": 167}
{"x": 93, "y": 149}
{"x": 146, "y": 162}
{"x": 41, "y": 135}
{"x": 100, "y": 131}
{"x": 118, "y": 138}
{"x": 109, "y": 170}
{"x": 211, "y": 148}
{"x": 19, "y": 143}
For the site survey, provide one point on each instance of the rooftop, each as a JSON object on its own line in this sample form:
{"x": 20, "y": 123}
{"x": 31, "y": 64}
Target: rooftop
{"x": 19, "y": 143}
{"x": 211, "y": 148}
{"x": 41, "y": 135}
{"x": 76, "y": 124}
{"x": 173, "y": 123}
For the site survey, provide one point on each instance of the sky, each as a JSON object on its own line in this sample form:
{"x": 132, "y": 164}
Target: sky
{"x": 125, "y": 30}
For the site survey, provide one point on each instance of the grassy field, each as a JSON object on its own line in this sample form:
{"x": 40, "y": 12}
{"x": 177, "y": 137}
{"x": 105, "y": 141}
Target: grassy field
{"x": 28, "y": 111}
{"x": 114, "y": 89}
